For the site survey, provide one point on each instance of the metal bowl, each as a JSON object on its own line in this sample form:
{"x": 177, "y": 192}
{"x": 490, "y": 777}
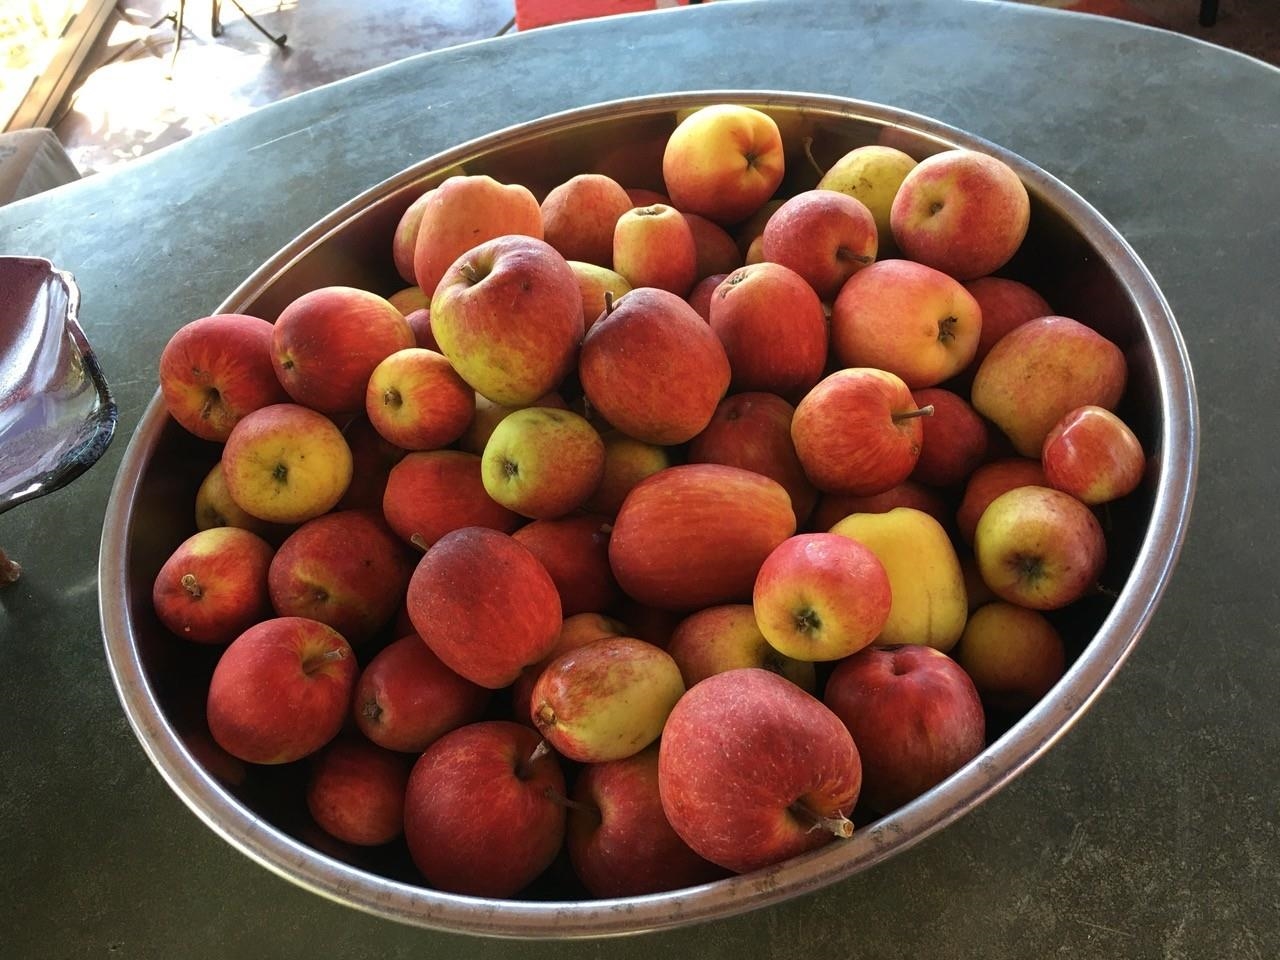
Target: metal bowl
{"x": 1072, "y": 255}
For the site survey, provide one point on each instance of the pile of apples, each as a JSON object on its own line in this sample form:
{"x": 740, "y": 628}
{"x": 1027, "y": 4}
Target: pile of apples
{"x": 677, "y": 532}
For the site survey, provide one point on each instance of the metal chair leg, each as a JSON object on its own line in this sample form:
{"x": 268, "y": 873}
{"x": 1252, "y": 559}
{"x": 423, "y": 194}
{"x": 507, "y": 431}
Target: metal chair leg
{"x": 177, "y": 37}
{"x": 279, "y": 41}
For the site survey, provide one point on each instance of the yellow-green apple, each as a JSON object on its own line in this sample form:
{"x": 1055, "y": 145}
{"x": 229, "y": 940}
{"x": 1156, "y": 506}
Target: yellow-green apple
{"x": 915, "y": 716}
{"x": 627, "y": 461}
{"x": 872, "y": 174}
{"x": 928, "y": 603}
{"x": 215, "y": 508}
{"x": 727, "y": 637}
{"x": 406, "y": 699}
{"x": 595, "y": 282}
{"x": 346, "y": 569}
{"x": 464, "y": 212}
{"x": 824, "y": 236}
{"x": 700, "y": 296}
{"x": 579, "y": 629}
{"x": 723, "y": 161}
{"x": 955, "y": 439}
{"x": 821, "y": 596}
{"x": 286, "y": 463}
{"x": 773, "y": 329}
{"x": 355, "y": 791}
{"x": 752, "y": 229}
{"x": 753, "y": 431}
{"x": 215, "y": 370}
{"x": 488, "y": 415}
{"x": 578, "y": 217}
{"x": 618, "y": 839}
{"x": 989, "y": 481}
{"x": 484, "y": 605}
{"x": 1093, "y": 455}
{"x": 542, "y": 462}
{"x": 410, "y": 299}
{"x": 1013, "y": 655}
{"x": 654, "y": 247}
{"x": 1005, "y": 304}
{"x": 963, "y": 212}
{"x": 906, "y": 318}
{"x": 213, "y": 587}
{"x": 405, "y": 240}
{"x": 716, "y": 250}
{"x": 484, "y": 810}
{"x": 325, "y": 344}
{"x": 1039, "y": 548}
{"x": 858, "y": 432}
{"x": 1042, "y": 370}
{"x": 434, "y": 492}
{"x": 752, "y": 770}
{"x": 695, "y": 535}
{"x": 606, "y": 700}
{"x": 575, "y": 551}
{"x": 653, "y": 368}
{"x": 834, "y": 507}
{"x": 417, "y": 401}
{"x": 372, "y": 457}
{"x": 508, "y": 315}
{"x": 281, "y": 690}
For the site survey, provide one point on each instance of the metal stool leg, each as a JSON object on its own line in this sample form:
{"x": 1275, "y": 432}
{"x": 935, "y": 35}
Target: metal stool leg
{"x": 177, "y": 37}
{"x": 279, "y": 41}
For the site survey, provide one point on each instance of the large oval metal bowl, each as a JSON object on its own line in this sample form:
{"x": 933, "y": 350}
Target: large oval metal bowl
{"x": 1072, "y": 255}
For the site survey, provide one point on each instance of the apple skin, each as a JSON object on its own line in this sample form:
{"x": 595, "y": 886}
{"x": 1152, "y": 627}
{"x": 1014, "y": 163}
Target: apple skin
{"x": 409, "y": 300}
{"x": 355, "y": 791}
{"x": 989, "y": 481}
{"x": 286, "y": 463}
{"x": 872, "y": 174}
{"x": 906, "y": 318}
{"x": 700, "y": 296}
{"x": 281, "y": 690}
{"x": 643, "y": 197}
{"x": 464, "y": 212}
{"x": 432, "y": 493}
{"x": 727, "y": 637}
{"x": 627, "y": 461}
{"x": 962, "y": 212}
{"x": 542, "y": 462}
{"x": 1005, "y": 304}
{"x": 751, "y": 231}
{"x": 372, "y": 457}
{"x": 420, "y": 323}
{"x": 1013, "y": 655}
{"x": 1039, "y": 548}
{"x": 717, "y": 252}
{"x": 578, "y": 630}
{"x": 579, "y": 216}
{"x": 753, "y": 431}
{"x": 749, "y": 767}
{"x": 594, "y": 283}
{"x": 1042, "y": 370}
{"x": 723, "y": 162}
{"x": 488, "y": 415}
{"x": 508, "y": 315}
{"x": 405, "y": 239}
{"x": 857, "y": 432}
{"x": 654, "y": 247}
{"x": 481, "y": 817}
{"x": 821, "y": 596}
{"x": 696, "y": 535}
{"x": 326, "y": 343}
{"x": 347, "y": 569}
{"x": 406, "y": 699}
{"x": 213, "y": 587}
{"x": 417, "y": 401}
{"x": 824, "y": 236}
{"x": 619, "y": 841}
{"x": 834, "y": 507}
{"x": 955, "y": 439}
{"x": 915, "y": 715}
{"x": 606, "y": 700}
{"x": 215, "y": 508}
{"x": 1093, "y": 455}
{"x": 650, "y": 330}
{"x": 773, "y": 329}
{"x": 575, "y": 551}
{"x": 506, "y": 618}
{"x": 214, "y": 370}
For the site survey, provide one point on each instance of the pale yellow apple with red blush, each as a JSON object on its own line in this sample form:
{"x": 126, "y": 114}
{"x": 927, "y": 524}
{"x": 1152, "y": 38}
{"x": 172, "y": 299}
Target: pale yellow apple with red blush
{"x": 723, "y": 162}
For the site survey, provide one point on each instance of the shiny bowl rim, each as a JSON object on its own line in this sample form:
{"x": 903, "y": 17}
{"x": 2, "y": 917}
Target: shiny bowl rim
{"x": 999, "y": 764}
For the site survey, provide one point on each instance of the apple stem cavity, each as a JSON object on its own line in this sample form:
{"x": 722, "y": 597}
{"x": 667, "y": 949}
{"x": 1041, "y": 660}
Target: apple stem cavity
{"x": 391, "y": 397}
{"x": 191, "y": 585}
{"x": 9, "y": 570}
{"x": 211, "y": 400}
{"x": 807, "y": 621}
{"x": 839, "y": 825}
{"x": 807, "y": 143}
{"x": 545, "y": 715}
{"x": 925, "y": 411}
{"x": 470, "y": 271}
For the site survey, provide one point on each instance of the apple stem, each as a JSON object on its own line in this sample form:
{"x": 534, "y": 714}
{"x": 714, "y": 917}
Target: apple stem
{"x": 420, "y": 542}
{"x": 9, "y": 570}
{"x": 839, "y": 825}
{"x": 808, "y": 152}
{"x": 191, "y": 585}
{"x": 556, "y": 797}
{"x": 608, "y": 302}
{"x": 524, "y": 769}
{"x": 312, "y": 664}
{"x": 1107, "y": 591}
{"x": 925, "y": 411}
{"x": 469, "y": 271}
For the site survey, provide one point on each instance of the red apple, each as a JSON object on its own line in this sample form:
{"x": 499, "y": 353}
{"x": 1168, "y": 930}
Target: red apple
{"x": 752, "y": 770}
{"x": 578, "y": 630}
{"x": 988, "y": 482}
{"x": 213, "y": 587}
{"x": 717, "y": 253}
{"x": 355, "y": 791}
{"x": 431, "y": 493}
{"x": 1013, "y": 655}
{"x": 723, "y": 162}
{"x": 420, "y": 323}
{"x": 406, "y": 237}
{"x": 700, "y": 296}
{"x": 575, "y": 551}
{"x": 372, "y": 457}
{"x": 281, "y": 690}
{"x": 727, "y": 637}
{"x": 627, "y": 461}
{"x": 417, "y": 401}
{"x": 1005, "y": 304}
{"x": 484, "y": 605}
{"x": 915, "y": 716}
{"x": 1093, "y": 455}
{"x": 579, "y": 216}
{"x": 955, "y": 439}
{"x": 824, "y": 236}
{"x": 409, "y": 300}
{"x": 654, "y": 247}
{"x": 834, "y": 507}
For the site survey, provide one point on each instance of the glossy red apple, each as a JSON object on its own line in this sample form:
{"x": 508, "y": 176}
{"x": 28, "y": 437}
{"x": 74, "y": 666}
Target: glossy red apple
{"x": 575, "y": 551}
{"x": 654, "y": 247}
{"x": 1093, "y": 455}
{"x": 824, "y": 236}
{"x": 417, "y": 401}
{"x": 579, "y": 216}
{"x": 355, "y": 791}
{"x": 429, "y": 494}
{"x": 955, "y": 439}
{"x": 727, "y": 637}
{"x": 989, "y": 481}
{"x": 213, "y": 587}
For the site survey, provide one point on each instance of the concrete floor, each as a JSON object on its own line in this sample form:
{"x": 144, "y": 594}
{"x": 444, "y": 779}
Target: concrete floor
{"x": 127, "y": 104}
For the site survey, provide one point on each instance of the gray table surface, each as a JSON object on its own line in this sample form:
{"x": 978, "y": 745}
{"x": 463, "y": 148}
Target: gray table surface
{"x": 1151, "y": 830}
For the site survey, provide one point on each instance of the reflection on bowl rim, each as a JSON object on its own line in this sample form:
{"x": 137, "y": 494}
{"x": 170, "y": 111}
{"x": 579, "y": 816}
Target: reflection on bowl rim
{"x": 1003, "y": 760}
